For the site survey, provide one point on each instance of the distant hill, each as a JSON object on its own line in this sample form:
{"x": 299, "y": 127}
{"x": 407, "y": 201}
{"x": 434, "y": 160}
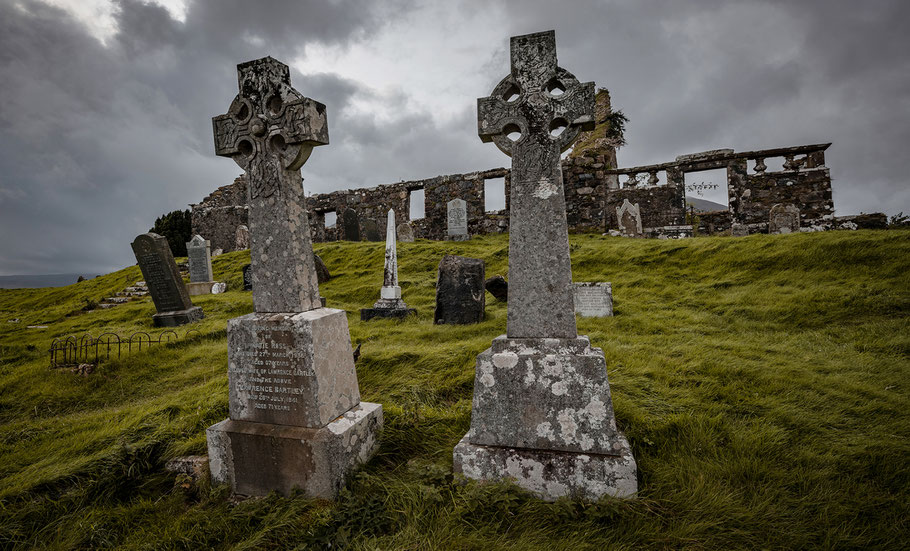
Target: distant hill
{"x": 41, "y": 280}
{"x": 703, "y": 205}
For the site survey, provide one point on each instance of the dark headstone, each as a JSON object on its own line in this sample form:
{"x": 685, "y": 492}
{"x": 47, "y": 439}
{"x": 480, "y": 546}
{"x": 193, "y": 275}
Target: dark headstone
{"x": 405, "y": 232}
{"x": 371, "y": 230}
{"x": 247, "y": 278}
{"x": 351, "y": 223}
{"x": 322, "y": 272}
{"x": 498, "y": 287}
{"x": 460, "y": 296}
{"x": 164, "y": 282}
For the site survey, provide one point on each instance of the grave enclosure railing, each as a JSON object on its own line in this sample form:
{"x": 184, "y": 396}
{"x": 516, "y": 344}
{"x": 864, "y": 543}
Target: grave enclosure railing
{"x": 72, "y": 351}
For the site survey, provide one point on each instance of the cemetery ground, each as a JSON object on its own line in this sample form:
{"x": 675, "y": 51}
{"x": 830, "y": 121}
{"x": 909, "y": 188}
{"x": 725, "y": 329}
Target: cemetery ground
{"x": 762, "y": 382}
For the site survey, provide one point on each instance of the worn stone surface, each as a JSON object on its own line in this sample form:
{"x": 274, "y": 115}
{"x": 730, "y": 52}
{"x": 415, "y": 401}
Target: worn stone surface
{"x": 200, "y": 288}
{"x": 405, "y": 233}
{"x": 390, "y": 303}
{"x": 540, "y": 277}
{"x": 629, "y": 217}
{"x": 371, "y": 230}
{"x": 172, "y": 301}
{"x": 257, "y": 458}
{"x": 457, "y": 220}
{"x": 242, "y": 238}
{"x": 460, "y": 296}
{"x": 199, "y": 257}
{"x": 291, "y": 369}
{"x": 322, "y": 271}
{"x": 351, "y": 224}
{"x": 549, "y": 474}
{"x": 594, "y": 299}
{"x": 544, "y": 394}
{"x": 498, "y": 287}
{"x": 269, "y": 131}
{"x": 295, "y": 414}
{"x": 783, "y": 219}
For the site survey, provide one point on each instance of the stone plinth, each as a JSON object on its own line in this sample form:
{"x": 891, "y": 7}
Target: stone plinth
{"x": 550, "y": 474}
{"x": 195, "y": 288}
{"x": 177, "y": 317}
{"x": 256, "y": 458}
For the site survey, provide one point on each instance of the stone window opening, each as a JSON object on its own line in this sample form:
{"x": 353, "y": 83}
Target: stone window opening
{"x": 706, "y": 190}
{"x": 331, "y": 218}
{"x": 416, "y": 206}
{"x": 494, "y": 194}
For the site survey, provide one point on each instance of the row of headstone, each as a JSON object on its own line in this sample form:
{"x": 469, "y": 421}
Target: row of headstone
{"x": 542, "y": 413}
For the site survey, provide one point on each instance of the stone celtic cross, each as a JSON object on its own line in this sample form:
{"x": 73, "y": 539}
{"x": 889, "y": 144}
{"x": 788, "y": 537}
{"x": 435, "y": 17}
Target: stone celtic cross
{"x": 538, "y": 100}
{"x": 269, "y": 131}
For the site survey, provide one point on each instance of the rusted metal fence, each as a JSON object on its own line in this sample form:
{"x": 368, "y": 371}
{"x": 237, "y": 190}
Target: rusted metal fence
{"x": 72, "y": 351}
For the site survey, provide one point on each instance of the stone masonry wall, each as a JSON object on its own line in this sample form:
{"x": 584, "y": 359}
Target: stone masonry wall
{"x": 217, "y": 217}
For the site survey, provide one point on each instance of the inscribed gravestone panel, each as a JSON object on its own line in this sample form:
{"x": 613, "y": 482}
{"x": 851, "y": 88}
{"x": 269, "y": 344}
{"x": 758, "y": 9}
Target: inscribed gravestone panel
{"x": 160, "y": 273}
{"x": 594, "y": 299}
{"x": 198, "y": 251}
{"x": 457, "y": 217}
{"x": 783, "y": 219}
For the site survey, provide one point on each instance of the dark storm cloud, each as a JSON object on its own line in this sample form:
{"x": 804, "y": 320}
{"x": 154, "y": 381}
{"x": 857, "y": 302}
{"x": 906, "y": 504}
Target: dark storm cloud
{"x": 97, "y": 139}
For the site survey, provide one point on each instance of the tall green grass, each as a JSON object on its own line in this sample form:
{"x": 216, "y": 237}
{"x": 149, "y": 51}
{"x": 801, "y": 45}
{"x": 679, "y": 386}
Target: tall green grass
{"x": 762, "y": 382}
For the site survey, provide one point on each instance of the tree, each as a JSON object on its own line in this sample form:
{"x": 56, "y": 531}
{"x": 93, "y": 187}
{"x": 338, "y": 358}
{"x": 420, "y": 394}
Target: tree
{"x": 177, "y": 227}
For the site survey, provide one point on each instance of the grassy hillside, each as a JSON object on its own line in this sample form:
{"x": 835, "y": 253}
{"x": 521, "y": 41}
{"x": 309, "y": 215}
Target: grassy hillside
{"x": 762, "y": 382}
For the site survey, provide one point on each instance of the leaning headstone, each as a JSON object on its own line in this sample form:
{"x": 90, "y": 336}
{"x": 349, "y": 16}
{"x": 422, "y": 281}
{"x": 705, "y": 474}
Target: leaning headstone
{"x": 242, "y": 238}
{"x": 542, "y": 412}
{"x": 594, "y": 299}
{"x": 460, "y": 295}
{"x": 389, "y": 304}
{"x": 322, "y": 271}
{"x": 164, "y": 282}
{"x": 296, "y": 419}
{"x": 371, "y": 230}
{"x": 457, "y": 220}
{"x": 783, "y": 219}
{"x": 498, "y": 287}
{"x": 199, "y": 258}
{"x": 628, "y": 215}
{"x": 351, "y": 223}
{"x": 405, "y": 232}
{"x": 247, "y": 278}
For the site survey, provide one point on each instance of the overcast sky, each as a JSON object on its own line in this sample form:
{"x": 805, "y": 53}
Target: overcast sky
{"x": 105, "y": 107}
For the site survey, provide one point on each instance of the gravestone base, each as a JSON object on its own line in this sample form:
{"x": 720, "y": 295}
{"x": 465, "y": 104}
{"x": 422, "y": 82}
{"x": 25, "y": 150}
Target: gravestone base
{"x": 257, "y": 458}
{"x": 366, "y": 314}
{"x": 177, "y": 317}
{"x": 199, "y": 288}
{"x": 550, "y": 474}
{"x": 458, "y": 238}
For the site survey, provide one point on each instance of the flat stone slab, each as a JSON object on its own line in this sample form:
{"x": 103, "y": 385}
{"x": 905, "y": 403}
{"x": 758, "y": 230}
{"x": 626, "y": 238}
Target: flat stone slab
{"x": 366, "y": 314}
{"x": 548, "y": 394}
{"x": 195, "y": 288}
{"x": 550, "y": 474}
{"x": 256, "y": 458}
{"x": 594, "y": 299}
{"x": 177, "y": 317}
{"x": 291, "y": 369}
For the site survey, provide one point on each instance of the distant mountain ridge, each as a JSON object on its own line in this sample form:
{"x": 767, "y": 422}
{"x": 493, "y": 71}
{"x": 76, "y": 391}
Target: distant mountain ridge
{"x": 703, "y": 205}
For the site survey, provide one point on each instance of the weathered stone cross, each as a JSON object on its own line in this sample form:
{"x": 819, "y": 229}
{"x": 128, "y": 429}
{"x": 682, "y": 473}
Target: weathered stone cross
{"x": 536, "y": 100}
{"x": 270, "y": 130}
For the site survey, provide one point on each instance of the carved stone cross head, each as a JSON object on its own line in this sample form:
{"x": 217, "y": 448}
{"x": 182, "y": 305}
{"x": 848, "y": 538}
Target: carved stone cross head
{"x": 270, "y": 127}
{"x": 536, "y": 100}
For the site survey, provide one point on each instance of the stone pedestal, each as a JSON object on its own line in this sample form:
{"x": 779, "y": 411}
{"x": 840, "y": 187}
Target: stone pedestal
{"x": 256, "y": 458}
{"x": 199, "y": 288}
{"x": 177, "y": 317}
{"x": 542, "y": 414}
{"x": 296, "y": 419}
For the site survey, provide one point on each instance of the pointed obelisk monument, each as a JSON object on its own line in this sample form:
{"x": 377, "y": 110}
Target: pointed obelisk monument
{"x": 542, "y": 413}
{"x": 296, "y": 419}
{"x": 389, "y": 304}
